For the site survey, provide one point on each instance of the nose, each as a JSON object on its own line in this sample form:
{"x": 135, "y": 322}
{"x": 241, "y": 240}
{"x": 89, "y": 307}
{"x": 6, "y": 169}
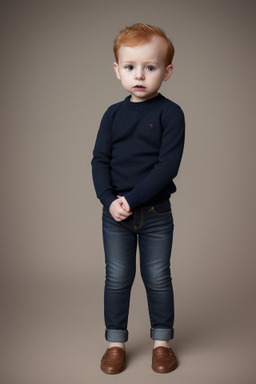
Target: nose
{"x": 139, "y": 74}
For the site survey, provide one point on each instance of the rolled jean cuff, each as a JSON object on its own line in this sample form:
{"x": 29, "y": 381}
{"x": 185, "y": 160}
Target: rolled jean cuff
{"x": 161, "y": 333}
{"x": 116, "y": 335}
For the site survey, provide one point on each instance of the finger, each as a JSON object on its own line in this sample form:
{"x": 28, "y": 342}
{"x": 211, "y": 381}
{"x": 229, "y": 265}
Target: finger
{"x": 122, "y": 216}
{"x": 125, "y": 204}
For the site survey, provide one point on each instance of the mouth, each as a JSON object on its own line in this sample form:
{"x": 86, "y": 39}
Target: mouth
{"x": 139, "y": 87}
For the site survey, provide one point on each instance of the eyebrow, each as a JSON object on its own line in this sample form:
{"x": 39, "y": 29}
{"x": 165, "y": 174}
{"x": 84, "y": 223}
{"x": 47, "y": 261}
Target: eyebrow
{"x": 146, "y": 62}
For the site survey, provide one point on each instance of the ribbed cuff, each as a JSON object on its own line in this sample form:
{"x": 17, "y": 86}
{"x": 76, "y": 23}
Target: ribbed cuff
{"x": 107, "y": 198}
{"x": 134, "y": 199}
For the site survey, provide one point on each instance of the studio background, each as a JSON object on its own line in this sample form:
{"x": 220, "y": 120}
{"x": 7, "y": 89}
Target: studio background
{"x": 57, "y": 80}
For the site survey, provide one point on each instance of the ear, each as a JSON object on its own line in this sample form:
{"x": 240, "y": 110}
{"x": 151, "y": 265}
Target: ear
{"x": 168, "y": 72}
{"x": 116, "y": 68}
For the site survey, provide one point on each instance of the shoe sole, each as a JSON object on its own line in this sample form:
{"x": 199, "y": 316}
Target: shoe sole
{"x": 112, "y": 373}
{"x": 165, "y": 371}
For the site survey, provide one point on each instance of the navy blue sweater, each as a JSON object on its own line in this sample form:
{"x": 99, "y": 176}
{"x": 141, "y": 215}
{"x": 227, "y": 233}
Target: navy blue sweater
{"x": 138, "y": 151}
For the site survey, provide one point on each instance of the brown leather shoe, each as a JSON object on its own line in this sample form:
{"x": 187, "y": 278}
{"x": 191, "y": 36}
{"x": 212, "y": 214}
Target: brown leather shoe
{"x": 163, "y": 360}
{"x": 113, "y": 361}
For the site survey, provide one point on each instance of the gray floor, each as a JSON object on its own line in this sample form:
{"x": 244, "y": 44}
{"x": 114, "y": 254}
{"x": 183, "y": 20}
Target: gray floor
{"x": 53, "y": 334}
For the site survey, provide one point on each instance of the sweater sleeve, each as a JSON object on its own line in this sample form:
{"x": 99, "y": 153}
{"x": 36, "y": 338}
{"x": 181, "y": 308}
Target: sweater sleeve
{"x": 101, "y": 163}
{"x": 168, "y": 163}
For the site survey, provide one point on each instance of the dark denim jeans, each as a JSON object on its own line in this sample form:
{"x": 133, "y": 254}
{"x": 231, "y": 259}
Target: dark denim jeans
{"x": 152, "y": 227}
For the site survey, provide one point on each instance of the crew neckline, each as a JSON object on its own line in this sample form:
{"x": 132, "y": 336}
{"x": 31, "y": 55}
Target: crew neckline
{"x": 142, "y": 105}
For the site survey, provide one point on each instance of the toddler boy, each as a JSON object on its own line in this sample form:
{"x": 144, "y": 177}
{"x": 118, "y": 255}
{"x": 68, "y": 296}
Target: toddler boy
{"x": 137, "y": 155}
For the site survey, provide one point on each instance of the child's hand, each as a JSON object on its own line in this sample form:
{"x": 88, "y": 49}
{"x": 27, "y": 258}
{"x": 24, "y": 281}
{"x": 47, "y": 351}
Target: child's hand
{"x": 125, "y": 205}
{"x": 120, "y": 209}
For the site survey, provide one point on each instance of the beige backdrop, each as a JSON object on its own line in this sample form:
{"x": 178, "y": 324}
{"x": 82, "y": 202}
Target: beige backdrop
{"x": 56, "y": 82}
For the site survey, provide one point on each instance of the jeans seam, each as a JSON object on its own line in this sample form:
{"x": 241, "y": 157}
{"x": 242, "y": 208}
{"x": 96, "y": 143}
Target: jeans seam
{"x": 141, "y": 221}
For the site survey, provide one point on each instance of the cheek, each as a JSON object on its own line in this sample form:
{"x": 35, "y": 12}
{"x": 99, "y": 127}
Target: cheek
{"x": 125, "y": 82}
{"x": 156, "y": 80}
{"x": 125, "y": 79}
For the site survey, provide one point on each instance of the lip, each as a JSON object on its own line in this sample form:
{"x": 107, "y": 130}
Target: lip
{"x": 139, "y": 87}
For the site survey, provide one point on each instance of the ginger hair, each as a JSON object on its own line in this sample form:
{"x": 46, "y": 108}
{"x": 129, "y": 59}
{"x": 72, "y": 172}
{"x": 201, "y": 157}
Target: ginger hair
{"x": 141, "y": 33}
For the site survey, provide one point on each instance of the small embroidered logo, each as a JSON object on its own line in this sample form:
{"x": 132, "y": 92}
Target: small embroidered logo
{"x": 151, "y": 125}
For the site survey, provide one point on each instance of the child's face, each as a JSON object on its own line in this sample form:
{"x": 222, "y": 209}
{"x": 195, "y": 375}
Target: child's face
{"x": 142, "y": 70}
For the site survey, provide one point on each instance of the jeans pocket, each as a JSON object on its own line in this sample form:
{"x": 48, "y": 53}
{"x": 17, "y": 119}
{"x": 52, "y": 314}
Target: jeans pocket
{"x": 162, "y": 209}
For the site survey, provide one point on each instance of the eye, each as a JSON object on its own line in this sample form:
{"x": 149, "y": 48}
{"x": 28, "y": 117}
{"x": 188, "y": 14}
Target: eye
{"x": 129, "y": 67}
{"x": 150, "y": 68}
